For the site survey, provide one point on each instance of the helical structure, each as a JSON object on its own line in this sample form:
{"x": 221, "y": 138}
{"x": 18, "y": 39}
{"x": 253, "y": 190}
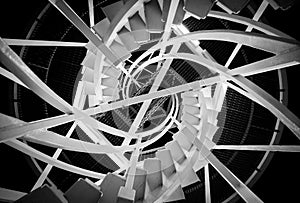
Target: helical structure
{"x": 149, "y": 98}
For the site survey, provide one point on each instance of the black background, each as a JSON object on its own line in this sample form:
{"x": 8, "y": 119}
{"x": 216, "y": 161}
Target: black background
{"x": 279, "y": 183}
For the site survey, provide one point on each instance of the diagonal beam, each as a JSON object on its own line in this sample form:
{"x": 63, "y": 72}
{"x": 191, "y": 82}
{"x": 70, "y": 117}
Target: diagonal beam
{"x": 29, "y": 42}
{"x": 52, "y": 139}
{"x": 15, "y": 131}
{"x": 7, "y": 195}
{"x": 12, "y": 61}
{"x": 269, "y": 148}
{"x": 11, "y": 76}
{"x": 98, "y": 137}
{"x": 15, "y": 64}
{"x": 170, "y": 19}
{"x": 256, "y": 17}
{"x": 48, "y": 168}
{"x": 233, "y": 181}
{"x": 160, "y": 76}
{"x": 288, "y": 58}
{"x": 47, "y": 159}
{"x": 67, "y": 11}
{"x": 278, "y": 109}
{"x": 290, "y": 119}
{"x": 250, "y": 23}
{"x": 135, "y": 125}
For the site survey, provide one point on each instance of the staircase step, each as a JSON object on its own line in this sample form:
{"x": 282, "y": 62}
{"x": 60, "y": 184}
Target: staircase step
{"x": 101, "y": 27}
{"x": 139, "y": 184}
{"x": 192, "y": 128}
{"x": 153, "y": 16}
{"x": 83, "y": 191}
{"x": 89, "y": 88}
{"x": 154, "y": 176}
{"x": 188, "y": 176}
{"x": 128, "y": 39}
{"x": 189, "y": 94}
{"x": 109, "y": 82}
{"x": 45, "y": 194}
{"x": 178, "y": 194}
{"x": 167, "y": 163}
{"x": 110, "y": 188}
{"x": 138, "y": 28}
{"x": 192, "y": 101}
{"x": 111, "y": 71}
{"x": 88, "y": 75}
{"x": 93, "y": 101}
{"x": 111, "y": 10}
{"x": 206, "y": 91}
{"x": 234, "y": 6}
{"x": 208, "y": 130}
{"x": 120, "y": 50}
{"x": 194, "y": 110}
{"x": 111, "y": 92}
{"x": 191, "y": 119}
{"x": 176, "y": 151}
{"x": 89, "y": 60}
{"x": 198, "y": 8}
{"x": 180, "y": 12}
{"x": 181, "y": 139}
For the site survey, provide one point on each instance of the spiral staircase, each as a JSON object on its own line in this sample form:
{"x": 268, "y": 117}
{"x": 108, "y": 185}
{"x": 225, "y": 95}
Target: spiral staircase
{"x": 135, "y": 37}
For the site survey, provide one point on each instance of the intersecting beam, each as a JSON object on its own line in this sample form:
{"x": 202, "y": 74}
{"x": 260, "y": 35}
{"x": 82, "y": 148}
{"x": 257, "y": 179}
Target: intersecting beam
{"x": 233, "y": 181}
{"x": 285, "y": 59}
{"x": 271, "y": 44}
{"x": 52, "y": 139}
{"x": 197, "y": 84}
{"x": 256, "y": 17}
{"x": 47, "y": 159}
{"x": 120, "y": 19}
{"x": 30, "y": 42}
{"x": 269, "y": 148}
{"x": 160, "y": 76}
{"x": 48, "y": 168}
{"x": 14, "y": 63}
{"x": 11, "y": 76}
{"x": 15, "y": 131}
{"x": 67, "y": 11}
{"x": 98, "y": 137}
{"x": 250, "y": 23}
{"x": 170, "y": 19}
{"x": 135, "y": 124}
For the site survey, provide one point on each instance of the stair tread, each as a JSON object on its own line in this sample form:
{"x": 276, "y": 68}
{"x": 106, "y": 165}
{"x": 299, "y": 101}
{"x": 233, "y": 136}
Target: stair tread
{"x": 153, "y": 16}
{"x": 91, "y": 192}
{"x": 138, "y": 28}
{"x": 199, "y": 8}
{"x": 128, "y": 39}
{"x": 111, "y": 10}
{"x": 110, "y": 187}
{"x": 234, "y": 6}
{"x": 45, "y": 194}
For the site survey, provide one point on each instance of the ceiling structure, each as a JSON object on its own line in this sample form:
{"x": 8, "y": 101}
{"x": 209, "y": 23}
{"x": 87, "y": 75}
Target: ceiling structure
{"x": 170, "y": 95}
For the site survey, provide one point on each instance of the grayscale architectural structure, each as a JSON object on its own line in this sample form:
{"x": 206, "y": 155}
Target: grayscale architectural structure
{"x": 149, "y": 101}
